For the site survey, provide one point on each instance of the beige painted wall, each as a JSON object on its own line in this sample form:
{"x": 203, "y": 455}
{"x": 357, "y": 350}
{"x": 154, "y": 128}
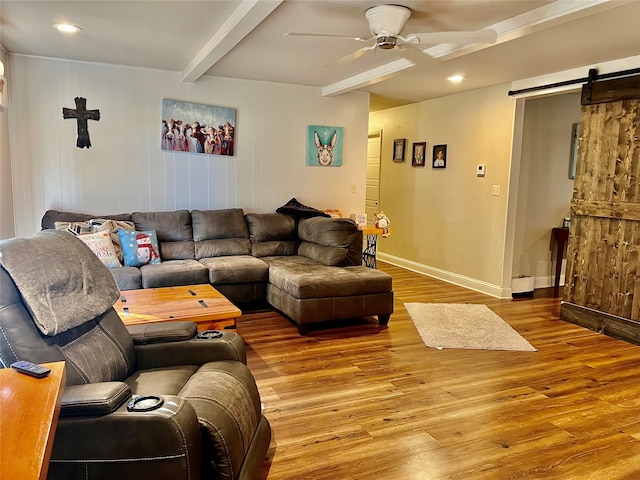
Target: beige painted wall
{"x": 7, "y": 227}
{"x": 126, "y": 170}
{"x": 446, "y": 222}
{"x": 545, "y": 190}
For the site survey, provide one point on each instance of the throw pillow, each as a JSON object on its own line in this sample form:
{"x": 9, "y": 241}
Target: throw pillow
{"x": 74, "y": 228}
{"x": 112, "y": 226}
{"x": 139, "y": 248}
{"x": 295, "y": 208}
{"x": 100, "y": 244}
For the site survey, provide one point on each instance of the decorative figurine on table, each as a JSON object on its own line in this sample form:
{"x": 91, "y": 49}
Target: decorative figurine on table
{"x": 382, "y": 222}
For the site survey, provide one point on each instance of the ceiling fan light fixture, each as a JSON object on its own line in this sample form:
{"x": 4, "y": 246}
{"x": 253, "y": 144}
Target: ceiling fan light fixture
{"x": 67, "y": 28}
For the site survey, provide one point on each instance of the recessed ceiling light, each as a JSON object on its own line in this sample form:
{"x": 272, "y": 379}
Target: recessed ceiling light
{"x": 455, "y": 78}
{"x": 66, "y": 27}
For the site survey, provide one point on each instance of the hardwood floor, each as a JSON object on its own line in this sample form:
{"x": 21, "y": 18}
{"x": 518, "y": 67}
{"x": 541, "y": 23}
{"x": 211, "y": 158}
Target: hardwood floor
{"x": 363, "y": 402}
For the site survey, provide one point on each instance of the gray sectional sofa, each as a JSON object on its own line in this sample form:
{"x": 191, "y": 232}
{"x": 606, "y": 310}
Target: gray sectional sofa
{"x": 307, "y": 268}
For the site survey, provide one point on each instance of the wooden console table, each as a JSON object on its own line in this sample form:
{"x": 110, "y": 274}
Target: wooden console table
{"x": 29, "y": 410}
{"x": 559, "y": 238}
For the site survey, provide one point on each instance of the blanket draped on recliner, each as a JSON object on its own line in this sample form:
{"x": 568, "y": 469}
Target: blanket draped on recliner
{"x": 64, "y": 294}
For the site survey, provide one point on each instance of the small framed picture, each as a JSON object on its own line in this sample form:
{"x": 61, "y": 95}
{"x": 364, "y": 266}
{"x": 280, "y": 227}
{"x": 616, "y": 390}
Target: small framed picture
{"x": 398, "y": 149}
{"x": 417, "y": 159}
{"x": 439, "y": 156}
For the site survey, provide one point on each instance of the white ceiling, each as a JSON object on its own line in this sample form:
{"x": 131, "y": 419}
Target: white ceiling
{"x": 244, "y": 39}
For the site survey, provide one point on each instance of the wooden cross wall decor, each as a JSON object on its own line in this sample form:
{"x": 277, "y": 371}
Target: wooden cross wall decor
{"x": 82, "y": 115}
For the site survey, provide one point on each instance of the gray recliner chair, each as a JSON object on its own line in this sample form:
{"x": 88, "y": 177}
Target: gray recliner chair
{"x": 56, "y": 305}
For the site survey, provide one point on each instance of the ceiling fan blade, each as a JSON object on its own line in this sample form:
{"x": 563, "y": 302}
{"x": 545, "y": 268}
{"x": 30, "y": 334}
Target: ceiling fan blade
{"x": 463, "y": 38}
{"x": 413, "y": 52}
{"x": 325, "y": 35}
{"x": 357, "y": 54}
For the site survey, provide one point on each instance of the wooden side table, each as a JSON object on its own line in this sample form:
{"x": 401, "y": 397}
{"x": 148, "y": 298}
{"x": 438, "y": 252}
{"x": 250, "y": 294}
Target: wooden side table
{"x": 559, "y": 238}
{"x": 29, "y": 410}
{"x": 371, "y": 248}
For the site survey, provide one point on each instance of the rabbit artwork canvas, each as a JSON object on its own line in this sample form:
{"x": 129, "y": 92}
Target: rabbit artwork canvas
{"x": 324, "y": 146}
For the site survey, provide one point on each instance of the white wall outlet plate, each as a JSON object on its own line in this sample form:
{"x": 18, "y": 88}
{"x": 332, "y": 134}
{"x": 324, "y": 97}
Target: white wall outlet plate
{"x": 481, "y": 169}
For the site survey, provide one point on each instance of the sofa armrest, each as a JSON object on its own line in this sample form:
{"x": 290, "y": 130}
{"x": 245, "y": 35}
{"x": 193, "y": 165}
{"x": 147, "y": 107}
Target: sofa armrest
{"x": 330, "y": 241}
{"x": 162, "y": 332}
{"x": 162, "y": 443}
{"x": 94, "y": 399}
{"x": 191, "y": 352}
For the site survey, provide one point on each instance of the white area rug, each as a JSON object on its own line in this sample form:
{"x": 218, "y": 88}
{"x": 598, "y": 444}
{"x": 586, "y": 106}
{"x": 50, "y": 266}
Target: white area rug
{"x": 452, "y": 325}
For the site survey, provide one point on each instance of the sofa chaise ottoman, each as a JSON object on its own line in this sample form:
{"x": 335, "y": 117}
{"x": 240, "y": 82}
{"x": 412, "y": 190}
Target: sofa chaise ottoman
{"x": 321, "y": 278}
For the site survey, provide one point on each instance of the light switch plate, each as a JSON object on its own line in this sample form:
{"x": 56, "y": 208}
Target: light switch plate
{"x": 481, "y": 169}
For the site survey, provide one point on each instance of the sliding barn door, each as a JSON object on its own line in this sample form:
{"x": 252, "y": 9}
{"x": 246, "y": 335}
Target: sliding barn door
{"x": 602, "y": 286}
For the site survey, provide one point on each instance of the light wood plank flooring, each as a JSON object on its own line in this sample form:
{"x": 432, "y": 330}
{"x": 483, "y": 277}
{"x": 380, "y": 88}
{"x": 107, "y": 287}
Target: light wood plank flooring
{"x": 362, "y": 402}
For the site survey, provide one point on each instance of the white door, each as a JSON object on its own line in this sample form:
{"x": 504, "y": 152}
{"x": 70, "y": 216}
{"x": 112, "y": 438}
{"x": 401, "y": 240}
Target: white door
{"x": 372, "y": 197}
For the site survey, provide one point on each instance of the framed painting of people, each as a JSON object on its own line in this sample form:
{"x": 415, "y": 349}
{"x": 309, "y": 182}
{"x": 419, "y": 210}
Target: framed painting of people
{"x": 196, "y": 128}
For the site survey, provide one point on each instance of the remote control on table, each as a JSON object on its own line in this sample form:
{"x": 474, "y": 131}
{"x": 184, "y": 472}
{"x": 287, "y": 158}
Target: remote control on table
{"x": 32, "y": 369}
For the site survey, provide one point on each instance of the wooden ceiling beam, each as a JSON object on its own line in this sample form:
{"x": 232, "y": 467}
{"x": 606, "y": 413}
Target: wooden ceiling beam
{"x": 245, "y": 18}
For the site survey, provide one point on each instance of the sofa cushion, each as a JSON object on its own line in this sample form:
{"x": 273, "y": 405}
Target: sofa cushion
{"x": 174, "y": 231}
{"x": 326, "y": 240}
{"x": 272, "y": 234}
{"x": 302, "y": 277}
{"x": 52, "y": 216}
{"x": 332, "y": 232}
{"x": 333, "y": 256}
{"x": 139, "y": 248}
{"x": 222, "y": 247}
{"x": 127, "y": 278}
{"x": 274, "y": 248}
{"x": 236, "y": 269}
{"x": 172, "y": 273}
{"x": 214, "y": 224}
{"x": 220, "y": 232}
{"x": 160, "y": 381}
{"x": 264, "y": 227}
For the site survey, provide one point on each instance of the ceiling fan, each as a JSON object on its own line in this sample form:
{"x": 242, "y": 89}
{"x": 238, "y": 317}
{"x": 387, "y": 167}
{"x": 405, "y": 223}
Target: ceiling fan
{"x": 386, "y": 22}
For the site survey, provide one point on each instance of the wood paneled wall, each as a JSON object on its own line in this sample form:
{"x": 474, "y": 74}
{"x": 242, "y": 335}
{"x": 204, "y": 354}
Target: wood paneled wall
{"x": 125, "y": 169}
{"x": 602, "y": 289}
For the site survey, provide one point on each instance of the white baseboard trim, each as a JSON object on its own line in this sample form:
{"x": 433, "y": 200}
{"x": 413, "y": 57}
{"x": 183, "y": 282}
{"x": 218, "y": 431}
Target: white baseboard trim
{"x": 446, "y": 276}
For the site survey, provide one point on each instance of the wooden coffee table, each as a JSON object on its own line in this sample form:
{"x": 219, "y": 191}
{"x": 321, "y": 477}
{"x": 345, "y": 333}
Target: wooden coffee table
{"x": 202, "y": 304}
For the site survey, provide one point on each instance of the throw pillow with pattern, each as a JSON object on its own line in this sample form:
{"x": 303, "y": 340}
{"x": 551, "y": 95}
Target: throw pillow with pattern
{"x": 112, "y": 226}
{"x": 74, "y": 228}
{"x": 139, "y": 248}
{"x": 100, "y": 244}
